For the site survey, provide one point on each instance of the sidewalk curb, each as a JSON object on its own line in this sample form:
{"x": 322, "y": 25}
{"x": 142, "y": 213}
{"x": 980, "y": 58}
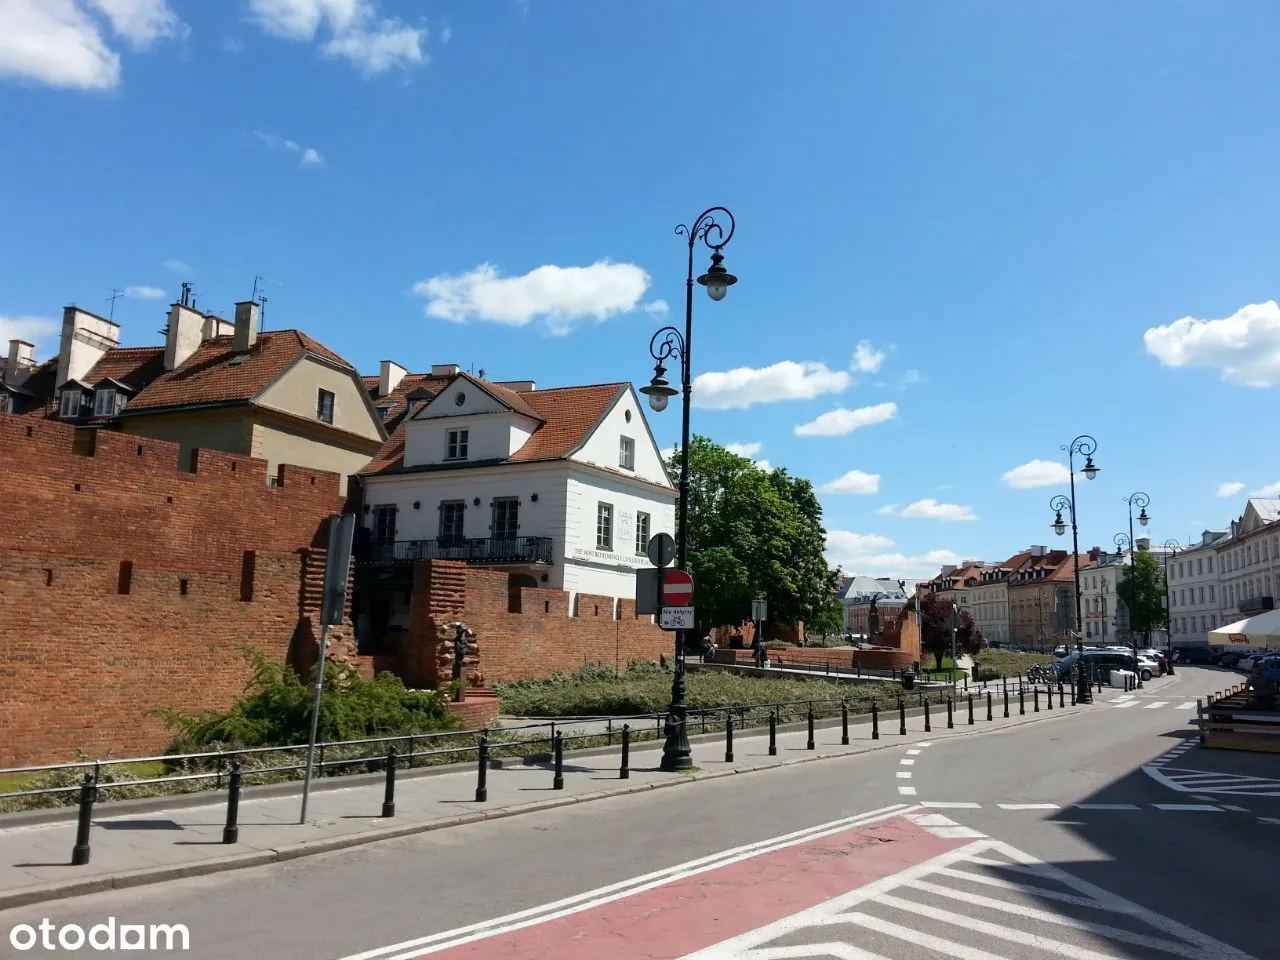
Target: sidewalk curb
{"x": 61, "y": 890}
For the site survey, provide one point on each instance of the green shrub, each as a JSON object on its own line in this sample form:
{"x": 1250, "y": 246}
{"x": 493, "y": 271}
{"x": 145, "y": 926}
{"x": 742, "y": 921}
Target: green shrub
{"x": 276, "y": 710}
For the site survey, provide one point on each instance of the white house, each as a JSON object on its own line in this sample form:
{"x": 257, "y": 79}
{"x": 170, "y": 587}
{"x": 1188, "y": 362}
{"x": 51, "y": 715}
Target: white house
{"x": 562, "y": 487}
{"x": 1249, "y": 561}
{"x": 1194, "y": 605}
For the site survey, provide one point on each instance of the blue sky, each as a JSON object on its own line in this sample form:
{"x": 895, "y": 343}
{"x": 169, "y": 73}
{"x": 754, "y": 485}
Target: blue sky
{"x": 1011, "y": 206}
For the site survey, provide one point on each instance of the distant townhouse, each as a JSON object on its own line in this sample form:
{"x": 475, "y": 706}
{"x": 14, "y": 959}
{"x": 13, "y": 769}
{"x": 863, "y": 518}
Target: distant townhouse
{"x": 1249, "y": 562}
{"x": 1194, "y": 605}
{"x": 562, "y": 488}
{"x": 1099, "y": 600}
{"x": 1042, "y": 599}
{"x": 989, "y": 598}
{"x": 890, "y": 596}
{"x": 279, "y": 396}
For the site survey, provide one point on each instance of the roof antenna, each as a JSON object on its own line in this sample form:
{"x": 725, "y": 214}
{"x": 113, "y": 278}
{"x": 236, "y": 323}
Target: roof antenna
{"x": 261, "y": 299}
{"x": 115, "y": 295}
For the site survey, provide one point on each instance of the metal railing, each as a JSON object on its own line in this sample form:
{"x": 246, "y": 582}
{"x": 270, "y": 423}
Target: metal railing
{"x": 468, "y": 550}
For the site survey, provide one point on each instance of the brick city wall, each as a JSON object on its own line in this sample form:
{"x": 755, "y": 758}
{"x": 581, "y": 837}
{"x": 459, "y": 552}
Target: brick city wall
{"x": 128, "y": 584}
{"x": 523, "y": 634}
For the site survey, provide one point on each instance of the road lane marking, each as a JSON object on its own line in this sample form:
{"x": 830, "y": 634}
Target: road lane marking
{"x": 913, "y": 753}
{"x": 942, "y": 805}
{"x": 907, "y": 762}
{"x": 1193, "y": 807}
{"x": 903, "y": 774}
{"x": 1189, "y": 705}
{"x": 625, "y": 888}
{"x": 1157, "y": 704}
{"x": 907, "y": 791}
{"x": 1028, "y": 806}
{"x": 1121, "y": 706}
{"x": 1106, "y": 806}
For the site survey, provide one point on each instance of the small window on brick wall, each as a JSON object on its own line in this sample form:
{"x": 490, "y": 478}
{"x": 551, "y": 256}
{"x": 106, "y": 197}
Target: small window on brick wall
{"x": 182, "y": 586}
{"x": 248, "y": 566}
{"x": 124, "y": 583}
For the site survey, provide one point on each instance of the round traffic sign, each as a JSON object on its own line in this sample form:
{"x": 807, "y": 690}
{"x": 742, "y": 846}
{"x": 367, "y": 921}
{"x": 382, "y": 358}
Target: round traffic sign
{"x": 677, "y": 589}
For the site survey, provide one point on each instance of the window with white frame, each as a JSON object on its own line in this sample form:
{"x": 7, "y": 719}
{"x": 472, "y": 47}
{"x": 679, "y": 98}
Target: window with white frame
{"x": 626, "y": 453}
{"x": 69, "y": 403}
{"x": 506, "y": 517}
{"x": 5, "y": 405}
{"x": 452, "y": 520}
{"x": 457, "y": 444}
{"x": 604, "y": 526}
{"x": 384, "y": 523}
{"x": 324, "y": 406}
{"x": 105, "y": 402}
{"x": 642, "y": 533}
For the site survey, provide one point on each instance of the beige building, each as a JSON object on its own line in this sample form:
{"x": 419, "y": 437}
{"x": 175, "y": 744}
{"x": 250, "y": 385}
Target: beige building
{"x": 279, "y": 396}
{"x": 1194, "y": 606}
{"x": 1249, "y": 562}
{"x": 988, "y": 599}
{"x": 1042, "y": 599}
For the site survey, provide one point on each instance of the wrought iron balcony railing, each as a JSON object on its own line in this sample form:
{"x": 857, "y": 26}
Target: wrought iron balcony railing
{"x": 477, "y": 550}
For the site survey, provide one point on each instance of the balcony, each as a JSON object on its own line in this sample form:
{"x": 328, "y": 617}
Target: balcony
{"x": 482, "y": 551}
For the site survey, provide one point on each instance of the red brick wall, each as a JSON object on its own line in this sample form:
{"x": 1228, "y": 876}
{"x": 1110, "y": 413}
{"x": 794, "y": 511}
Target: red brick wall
{"x": 530, "y": 635}
{"x": 94, "y": 627}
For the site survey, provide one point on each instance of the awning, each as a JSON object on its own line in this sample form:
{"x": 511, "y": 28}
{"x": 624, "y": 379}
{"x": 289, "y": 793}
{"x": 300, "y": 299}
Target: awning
{"x": 1262, "y": 630}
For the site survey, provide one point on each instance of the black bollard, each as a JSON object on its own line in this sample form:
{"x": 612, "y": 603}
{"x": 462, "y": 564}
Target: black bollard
{"x": 875, "y": 720}
{"x": 989, "y": 705}
{"x": 928, "y": 726}
{"x": 389, "y": 793}
{"x": 773, "y": 733}
{"x": 1073, "y": 694}
{"x": 231, "y": 831}
{"x": 88, "y": 794}
{"x": 1049, "y": 699}
{"x": 728, "y": 738}
{"x": 557, "y": 782}
{"x": 902, "y": 717}
{"x": 844, "y": 724}
{"x": 625, "y": 772}
{"x": 482, "y": 770}
{"x": 810, "y": 744}
{"x": 971, "y": 708}
{"x": 1006, "y": 703}
{"x": 951, "y": 709}
{"x": 1022, "y": 702}
{"x": 1035, "y": 695}
{"x": 1061, "y": 703}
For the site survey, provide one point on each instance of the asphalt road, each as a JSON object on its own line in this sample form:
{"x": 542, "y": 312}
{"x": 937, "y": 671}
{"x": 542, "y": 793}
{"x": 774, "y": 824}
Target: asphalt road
{"x": 993, "y": 858}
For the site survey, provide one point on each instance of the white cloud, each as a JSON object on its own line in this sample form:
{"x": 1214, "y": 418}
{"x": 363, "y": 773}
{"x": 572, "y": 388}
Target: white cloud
{"x": 374, "y": 44}
{"x": 930, "y": 509}
{"x": 1244, "y": 347}
{"x": 1036, "y": 473}
{"x": 764, "y": 465}
{"x": 60, "y": 43}
{"x": 743, "y": 387}
{"x": 563, "y": 297}
{"x": 666, "y": 453}
{"x": 866, "y": 358}
{"x": 1270, "y": 490}
{"x": 35, "y": 330}
{"x": 307, "y": 156}
{"x": 842, "y": 421}
{"x": 55, "y": 42}
{"x": 887, "y": 510}
{"x": 747, "y": 450}
{"x": 872, "y": 555}
{"x": 1230, "y": 489}
{"x": 142, "y": 22}
{"x": 176, "y": 266}
{"x": 143, "y": 293}
{"x": 657, "y": 307}
{"x": 855, "y": 481}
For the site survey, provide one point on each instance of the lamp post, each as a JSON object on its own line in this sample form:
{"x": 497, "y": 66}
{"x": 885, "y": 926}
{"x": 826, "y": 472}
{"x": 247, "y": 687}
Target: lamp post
{"x": 1086, "y": 445}
{"x": 1141, "y": 501}
{"x": 666, "y": 344}
{"x": 1172, "y": 549}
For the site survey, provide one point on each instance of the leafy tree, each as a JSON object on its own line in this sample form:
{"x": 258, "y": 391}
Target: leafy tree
{"x": 755, "y": 534}
{"x": 935, "y": 629}
{"x": 1142, "y": 590}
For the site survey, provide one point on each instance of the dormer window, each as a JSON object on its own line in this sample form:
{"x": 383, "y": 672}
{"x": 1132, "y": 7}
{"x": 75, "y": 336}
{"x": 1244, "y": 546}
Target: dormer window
{"x": 6, "y": 405}
{"x": 106, "y": 402}
{"x": 457, "y": 444}
{"x": 384, "y": 411}
{"x": 69, "y": 404}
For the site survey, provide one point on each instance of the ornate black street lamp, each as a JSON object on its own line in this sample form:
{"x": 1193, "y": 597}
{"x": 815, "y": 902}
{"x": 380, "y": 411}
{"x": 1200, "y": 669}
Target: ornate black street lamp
{"x": 1141, "y": 501}
{"x": 1172, "y": 549}
{"x": 666, "y": 344}
{"x": 1086, "y": 445}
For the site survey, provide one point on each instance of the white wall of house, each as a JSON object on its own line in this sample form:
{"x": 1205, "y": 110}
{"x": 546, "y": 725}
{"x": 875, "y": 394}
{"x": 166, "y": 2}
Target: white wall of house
{"x": 1194, "y": 605}
{"x": 604, "y": 446}
{"x": 608, "y": 568}
{"x": 493, "y": 431}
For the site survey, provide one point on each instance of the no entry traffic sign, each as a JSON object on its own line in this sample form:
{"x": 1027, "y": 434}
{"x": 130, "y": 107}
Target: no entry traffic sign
{"x": 677, "y": 589}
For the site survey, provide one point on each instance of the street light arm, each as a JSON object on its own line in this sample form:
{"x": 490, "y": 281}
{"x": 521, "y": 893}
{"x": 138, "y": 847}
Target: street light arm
{"x": 1063, "y": 502}
{"x": 704, "y": 226}
{"x": 666, "y": 344}
{"x": 1084, "y": 444}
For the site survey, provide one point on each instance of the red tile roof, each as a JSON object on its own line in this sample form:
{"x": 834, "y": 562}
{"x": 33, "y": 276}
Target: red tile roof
{"x": 567, "y": 416}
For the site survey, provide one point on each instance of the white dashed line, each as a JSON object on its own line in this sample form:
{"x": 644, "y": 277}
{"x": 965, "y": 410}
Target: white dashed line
{"x": 1157, "y": 704}
{"x": 913, "y": 753}
{"x": 1106, "y": 806}
{"x": 904, "y": 774}
{"x": 940, "y": 805}
{"x": 906, "y": 763}
{"x": 907, "y": 791}
{"x": 1028, "y": 806}
{"x": 1190, "y": 807}
{"x": 1189, "y": 705}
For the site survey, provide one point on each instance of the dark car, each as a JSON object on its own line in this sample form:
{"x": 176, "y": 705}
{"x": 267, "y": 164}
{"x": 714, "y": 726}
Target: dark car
{"x": 1201, "y": 655}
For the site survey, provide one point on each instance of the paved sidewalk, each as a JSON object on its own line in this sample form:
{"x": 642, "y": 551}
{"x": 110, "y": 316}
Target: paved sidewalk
{"x": 139, "y": 848}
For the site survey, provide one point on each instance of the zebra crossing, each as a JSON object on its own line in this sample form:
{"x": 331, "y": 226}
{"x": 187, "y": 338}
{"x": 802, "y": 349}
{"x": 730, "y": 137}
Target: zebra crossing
{"x": 1188, "y": 780}
{"x": 1146, "y": 703}
{"x": 985, "y": 900}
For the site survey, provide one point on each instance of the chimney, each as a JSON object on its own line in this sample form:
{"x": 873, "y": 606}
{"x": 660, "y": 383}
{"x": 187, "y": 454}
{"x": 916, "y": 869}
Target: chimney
{"x": 1038, "y": 551}
{"x": 246, "y": 329}
{"x": 390, "y": 374}
{"x": 86, "y": 337}
{"x": 215, "y": 326}
{"x": 182, "y": 336}
{"x": 1144, "y": 544}
{"x": 20, "y": 362}
{"x": 445, "y": 369}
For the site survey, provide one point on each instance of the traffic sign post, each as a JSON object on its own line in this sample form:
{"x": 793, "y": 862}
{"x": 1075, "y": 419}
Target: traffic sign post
{"x": 677, "y": 589}
{"x": 677, "y": 618}
{"x": 661, "y": 549}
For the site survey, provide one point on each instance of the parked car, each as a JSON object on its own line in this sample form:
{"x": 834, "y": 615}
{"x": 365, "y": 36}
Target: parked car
{"x": 1100, "y": 663}
{"x": 1201, "y": 655}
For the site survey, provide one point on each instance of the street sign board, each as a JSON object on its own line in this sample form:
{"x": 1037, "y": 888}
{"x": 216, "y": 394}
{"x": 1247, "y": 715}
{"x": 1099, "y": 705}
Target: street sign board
{"x": 337, "y": 569}
{"x": 661, "y": 549}
{"x": 677, "y": 589}
{"x": 759, "y": 610}
{"x": 647, "y": 580}
{"x": 677, "y": 618}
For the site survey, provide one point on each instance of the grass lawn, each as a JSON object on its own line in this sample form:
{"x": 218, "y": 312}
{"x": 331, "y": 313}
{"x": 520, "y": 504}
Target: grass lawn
{"x": 14, "y": 782}
{"x": 593, "y": 692}
{"x": 1007, "y": 663}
